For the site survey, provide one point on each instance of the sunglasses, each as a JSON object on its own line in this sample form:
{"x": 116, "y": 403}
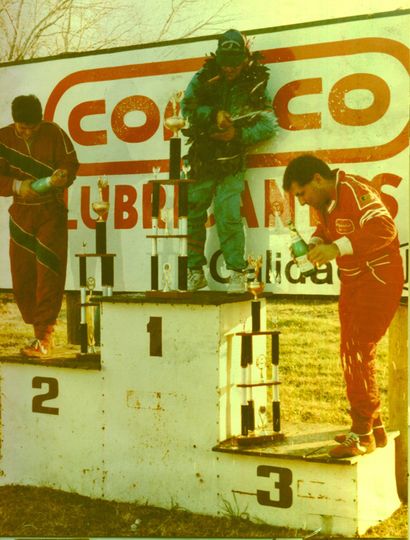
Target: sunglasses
{"x": 231, "y": 46}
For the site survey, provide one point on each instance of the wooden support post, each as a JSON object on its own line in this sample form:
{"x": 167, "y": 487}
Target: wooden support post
{"x": 398, "y": 395}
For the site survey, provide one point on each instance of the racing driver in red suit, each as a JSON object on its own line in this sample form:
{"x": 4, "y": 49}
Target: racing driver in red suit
{"x": 30, "y": 149}
{"x": 357, "y": 230}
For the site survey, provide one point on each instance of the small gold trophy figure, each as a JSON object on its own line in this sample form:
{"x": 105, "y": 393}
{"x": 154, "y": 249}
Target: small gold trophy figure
{"x": 278, "y": 226}
{"x": 101, "y": 207}
{"x": 166, "y": 277}
{"x": 167, "y": 216}
{"x": 156, "y": 169}
{"x": 263, "y": 420}
{"x": 90, "y": 314}
{"x": 261, "y": 365}
{"x": 255, "y": 286}
{"x": 175, "y": 122}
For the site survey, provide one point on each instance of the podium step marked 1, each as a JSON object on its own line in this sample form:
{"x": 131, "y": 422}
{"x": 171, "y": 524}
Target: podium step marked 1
{"x": 157, "y": 421}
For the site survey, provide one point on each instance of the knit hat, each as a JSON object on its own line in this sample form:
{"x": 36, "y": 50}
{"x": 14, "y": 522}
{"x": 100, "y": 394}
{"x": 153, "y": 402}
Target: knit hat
{"x": 232, "y": 49}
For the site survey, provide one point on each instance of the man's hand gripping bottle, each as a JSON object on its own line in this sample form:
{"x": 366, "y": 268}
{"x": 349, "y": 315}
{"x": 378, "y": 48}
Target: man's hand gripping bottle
{"x": 43, "y": 185}
{"x": 300, "y": 250}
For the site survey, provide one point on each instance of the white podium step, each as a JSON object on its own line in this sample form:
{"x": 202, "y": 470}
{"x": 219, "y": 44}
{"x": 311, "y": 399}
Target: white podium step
{"x": 154, "y": 420}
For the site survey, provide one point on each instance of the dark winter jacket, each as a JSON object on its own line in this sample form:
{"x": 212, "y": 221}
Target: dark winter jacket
{"x": 209, "y": 92}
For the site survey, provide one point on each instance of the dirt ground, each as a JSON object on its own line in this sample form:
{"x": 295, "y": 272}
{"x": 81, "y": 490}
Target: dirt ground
{"x": 39, "y": 512}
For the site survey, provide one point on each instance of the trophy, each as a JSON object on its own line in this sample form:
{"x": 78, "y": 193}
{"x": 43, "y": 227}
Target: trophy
{"x": 261, "y": 365}
{"x": 255, "y": 286}
{"x": 101, "y": 207}
{"x": 167, "y": 216}
{"x": 175, "y": 218}
{"x": 175, "y": 122}
{"x": 156, "y": 170}
{"x": 166, "y": 277}
{"x": 263, "y": 420}
{"x": 278, "y": 227}
{"x": 90, "y": 316}
{"x": 186, "y": 167}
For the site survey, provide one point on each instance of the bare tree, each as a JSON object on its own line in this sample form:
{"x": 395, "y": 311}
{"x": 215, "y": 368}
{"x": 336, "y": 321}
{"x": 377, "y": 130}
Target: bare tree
{"x": 35, "y": 28}
{"x": 182, "y": 12}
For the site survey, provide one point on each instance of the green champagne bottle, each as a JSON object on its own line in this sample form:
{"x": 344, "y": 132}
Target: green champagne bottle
{"x": 300, "y": 250}
{"x": 42, "y": 185}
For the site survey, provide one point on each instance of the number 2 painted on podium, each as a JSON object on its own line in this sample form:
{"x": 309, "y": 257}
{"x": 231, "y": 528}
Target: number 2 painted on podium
{"x": 37, "y": 403}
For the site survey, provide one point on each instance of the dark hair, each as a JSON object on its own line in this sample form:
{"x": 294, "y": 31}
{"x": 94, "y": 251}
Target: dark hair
{"x": 302, "y": 170}
{"x": 26, "y": 109}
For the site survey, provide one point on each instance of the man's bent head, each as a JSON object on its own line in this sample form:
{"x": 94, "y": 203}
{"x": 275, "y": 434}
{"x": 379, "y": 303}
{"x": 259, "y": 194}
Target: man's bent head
{"x": 27, "y": 114}
{"x": 310, "y": 180}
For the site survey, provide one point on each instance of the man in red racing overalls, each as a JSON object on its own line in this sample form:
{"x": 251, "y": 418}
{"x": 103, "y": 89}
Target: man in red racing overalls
{"x": 357, "y": 230}
{"x": 31, "y": 148}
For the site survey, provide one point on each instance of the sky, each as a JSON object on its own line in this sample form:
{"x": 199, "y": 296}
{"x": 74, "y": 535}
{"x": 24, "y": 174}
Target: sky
{"x": 137, "y": 21}
{"x": 254, "y": 14}
{"x": 267, "y": 13}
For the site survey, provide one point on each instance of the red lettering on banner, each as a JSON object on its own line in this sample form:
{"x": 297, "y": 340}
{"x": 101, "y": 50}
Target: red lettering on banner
{"x": 135, "y": 134}
{"x": 337, "y": 50}
{"x": 86, "y": 138}
{"x": 125, "y": 213}
{"x": 286, "y": 94}
{"x": 387, "y": 179}
{"x": 85, "y": 207}
{"x": 72, "y": 224}
{"x": 276, "y": 204}
{"x": 359, "y": 117}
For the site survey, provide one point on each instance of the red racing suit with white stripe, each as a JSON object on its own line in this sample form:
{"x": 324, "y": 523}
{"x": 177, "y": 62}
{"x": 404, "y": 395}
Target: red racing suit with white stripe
{"x": 38, "y": 228}
{"x": 371, "y": 275}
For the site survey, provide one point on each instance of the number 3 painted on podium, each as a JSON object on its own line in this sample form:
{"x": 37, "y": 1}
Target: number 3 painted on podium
{"x": 283, "y": 486}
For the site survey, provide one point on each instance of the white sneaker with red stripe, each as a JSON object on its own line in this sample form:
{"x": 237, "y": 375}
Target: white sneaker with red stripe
{"x": 39, "y": 348}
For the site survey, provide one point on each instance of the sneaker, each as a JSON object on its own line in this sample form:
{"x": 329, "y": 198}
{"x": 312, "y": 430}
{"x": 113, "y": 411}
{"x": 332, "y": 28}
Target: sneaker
{"x": 354, "y": 445}
{"x": 380, "y": 436}
{"x": 196, "y": 280}
{"x": 39, "y": 348}
{"x": 379, "y": 433}
{"x": 237, "y": 283}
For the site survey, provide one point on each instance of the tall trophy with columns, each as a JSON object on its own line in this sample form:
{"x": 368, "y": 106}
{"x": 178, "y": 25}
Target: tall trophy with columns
{"x": 256, "y": 287}
{"x": 175, "y": 123}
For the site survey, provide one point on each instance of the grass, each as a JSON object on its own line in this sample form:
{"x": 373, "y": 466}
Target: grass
{"x": 313, "y": 387}
{"x": 14, "y": 334}
{"x": 312, "y": 391}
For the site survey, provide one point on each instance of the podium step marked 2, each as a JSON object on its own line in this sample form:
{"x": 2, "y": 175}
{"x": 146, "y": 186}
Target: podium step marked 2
{"x": 156, "y": 422}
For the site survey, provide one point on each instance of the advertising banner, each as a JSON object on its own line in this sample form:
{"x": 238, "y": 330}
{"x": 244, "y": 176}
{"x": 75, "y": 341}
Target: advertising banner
{"x": 339, "y": 90}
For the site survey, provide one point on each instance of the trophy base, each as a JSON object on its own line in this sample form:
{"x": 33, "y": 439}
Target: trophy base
{"x": 258, "y": 439}
{"x": 91, "y": 356}
{"x": 169, "y": 294}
